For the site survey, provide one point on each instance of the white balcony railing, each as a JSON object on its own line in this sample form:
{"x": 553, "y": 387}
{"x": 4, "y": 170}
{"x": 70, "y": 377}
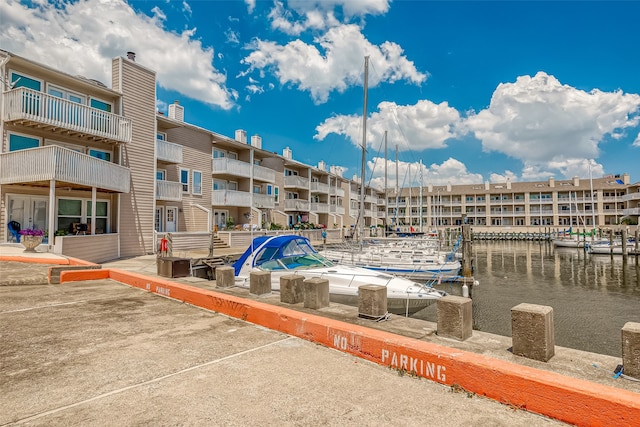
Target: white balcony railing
{"x": 337, "y": 209}
{"x": 319, "y": 187}
{"x": 59, "y": 114}
{"x": 295, "y": 181}
{"x": 631, "y": 196}
{"x": 631, "y": 211}
{"x": 231, "y": 198}
{"x": 336, "y": 191}
{"x": 263, "y": 201}
{"x": 233, "y": 167}
{"x": 319, "y": 207}
{"x": 296, "y": 205}
{"x": 61, "y": 164}
{"x": 168, "y": 151}
{"x": 226, "y": 166}
{"x": 168, "y": 190}
{"x": 264, "y": 174}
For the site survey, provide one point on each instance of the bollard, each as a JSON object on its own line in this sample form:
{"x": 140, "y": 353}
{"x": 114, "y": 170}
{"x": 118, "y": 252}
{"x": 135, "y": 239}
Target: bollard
{"x": 260, "y": 282}
{"x": 224, "y": 277}
{"x": 316, "y": 293}
{"x": 291, "y": 289}
{"x": 631, "y": 349}
{"x": 455, "y": 317}
{"x": 532, "y": 331}
{"x": 372, "y": 301}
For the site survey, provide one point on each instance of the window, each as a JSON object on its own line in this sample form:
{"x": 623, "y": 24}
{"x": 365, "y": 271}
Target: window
{"x": 197, "y": 182}
{"x": 184, "y": 180}
{"x": 21, "y": 142}
{"x": 161, "y": 174}
{"x": 232, "y": 185}
{"x": 59, "y": 110}
{"x": 69, "y": 212}
{"x": 161, "y": 136}
{"x": 219, "y": 185}
{"x": 257, "y": 189}
{"x": 102, "y": 216}
{"x": 276, "y": 194}
{"x": 20, "y": 80}
{"x": 100, "y": 105}
{"x": 100, "y": 154}
{"x": 217, "y": 154}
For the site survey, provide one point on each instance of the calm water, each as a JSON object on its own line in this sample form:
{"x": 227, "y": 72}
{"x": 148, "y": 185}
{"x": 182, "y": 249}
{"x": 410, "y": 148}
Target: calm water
{"x": 592, "y": 296}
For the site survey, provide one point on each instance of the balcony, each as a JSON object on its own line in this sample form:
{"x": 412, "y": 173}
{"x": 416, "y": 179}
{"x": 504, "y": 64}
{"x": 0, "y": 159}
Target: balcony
{"x": 226, "y": 166}
{"x": 296, "y": 205}
{"x": 38, "y": 166}
{"x": 260, "y": 173}
{"x": 168, "y": 151}
{"x": 263, "y": 201}
{"x": 319, "y": 207}
{"x": 631, "y": 196}
{"x": 319, "y": 187}
{"x": 631, "y": 211}
{"x": 27, "y": 107}
{"x": 295, "y": 181}
{"x": 169, "y": 191}
{"x": 233, "y": 167}
{"x": 336, "y": 191}
{"x": 339, "y": 210}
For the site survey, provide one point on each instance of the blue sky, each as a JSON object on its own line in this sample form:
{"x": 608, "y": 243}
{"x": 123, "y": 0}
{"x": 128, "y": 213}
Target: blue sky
{"x": 468, "y": 91}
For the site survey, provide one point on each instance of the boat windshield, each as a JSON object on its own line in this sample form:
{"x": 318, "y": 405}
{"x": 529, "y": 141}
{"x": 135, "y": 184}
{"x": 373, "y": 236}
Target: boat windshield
{"x": 295, "y": 254}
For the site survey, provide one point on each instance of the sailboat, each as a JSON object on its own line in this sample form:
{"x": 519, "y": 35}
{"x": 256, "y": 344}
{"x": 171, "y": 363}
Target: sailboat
{"x": 412, "y": 263}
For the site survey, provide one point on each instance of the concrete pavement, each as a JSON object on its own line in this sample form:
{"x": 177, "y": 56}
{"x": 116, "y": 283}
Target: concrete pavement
{"x": 94, "y": 344}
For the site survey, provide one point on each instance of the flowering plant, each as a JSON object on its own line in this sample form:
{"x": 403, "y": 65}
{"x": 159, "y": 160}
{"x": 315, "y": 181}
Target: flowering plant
{"x": 32, "y": 232}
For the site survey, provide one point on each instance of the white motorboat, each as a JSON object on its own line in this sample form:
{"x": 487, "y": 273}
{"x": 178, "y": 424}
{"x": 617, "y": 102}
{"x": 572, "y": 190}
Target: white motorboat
{"x": 291, "y": 254}
{"x": 609, "y": 248}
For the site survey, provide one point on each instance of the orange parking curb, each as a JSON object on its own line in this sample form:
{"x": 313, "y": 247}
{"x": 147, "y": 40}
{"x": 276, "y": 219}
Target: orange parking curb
{"x": 564, "y": 398}
{"x": 38, "y": 260}
{"x": 34, "y": 260}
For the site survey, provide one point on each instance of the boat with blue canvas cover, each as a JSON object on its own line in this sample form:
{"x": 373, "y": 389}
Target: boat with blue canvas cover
{"x": 291, "y": 254}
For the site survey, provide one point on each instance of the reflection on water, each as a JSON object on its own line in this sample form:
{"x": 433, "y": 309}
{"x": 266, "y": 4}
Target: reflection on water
{"x": 592, "y": 296}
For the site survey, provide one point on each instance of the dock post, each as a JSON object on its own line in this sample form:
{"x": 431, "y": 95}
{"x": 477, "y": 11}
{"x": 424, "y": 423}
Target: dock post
{"x": 532, "y": 331}
{"x": 260, "y": 282}
{"x": 466, "y": 251}
{"x": 224, "y": 277}
{"x": 291, "y": 289}
{"x": 631, "y": 349}
{"x": 316, "y": 293}
{"x": 372, "y": 301}
{"x": 455, "y": 317}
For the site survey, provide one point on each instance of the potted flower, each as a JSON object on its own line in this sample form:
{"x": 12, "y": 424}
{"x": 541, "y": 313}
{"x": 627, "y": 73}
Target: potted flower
{"x": 31, "y": 238}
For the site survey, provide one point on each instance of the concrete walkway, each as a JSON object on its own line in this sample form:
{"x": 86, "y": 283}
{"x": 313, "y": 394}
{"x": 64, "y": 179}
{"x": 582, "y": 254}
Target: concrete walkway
{"x": 98, "y": 345}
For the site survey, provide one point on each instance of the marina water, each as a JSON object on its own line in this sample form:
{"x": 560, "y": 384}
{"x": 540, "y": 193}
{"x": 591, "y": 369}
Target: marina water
{"x": 592, "y": 296}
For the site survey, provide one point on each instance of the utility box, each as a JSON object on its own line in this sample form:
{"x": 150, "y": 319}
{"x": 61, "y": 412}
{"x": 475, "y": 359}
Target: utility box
{"x": 174, "y": 267}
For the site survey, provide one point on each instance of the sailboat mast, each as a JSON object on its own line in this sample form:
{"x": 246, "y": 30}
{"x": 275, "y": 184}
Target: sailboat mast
{"x": 386, "y": 211}
{"x": 364, "y": 146}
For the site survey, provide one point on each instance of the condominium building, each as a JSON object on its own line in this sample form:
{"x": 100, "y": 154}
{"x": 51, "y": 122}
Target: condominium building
{"x": 525, "y": 206}
{"x": 103, "y": 172}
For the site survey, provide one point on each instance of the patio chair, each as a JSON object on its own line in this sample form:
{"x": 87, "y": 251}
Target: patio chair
{"x": 14, "y": 229}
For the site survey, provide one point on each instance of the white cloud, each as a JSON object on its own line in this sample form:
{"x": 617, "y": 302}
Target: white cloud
{"x": 414, "y": 174}
{"x": 416, "y": 127}
{"x": 540, "y": 121}
{"x": 251, "y": 5}
{"x": 296, "y": 16}
{"x": 503, "y": 177}
{"x": 303, "y": 65}
{"x": 636, "y": 143}
{"x": 54, "y": 33}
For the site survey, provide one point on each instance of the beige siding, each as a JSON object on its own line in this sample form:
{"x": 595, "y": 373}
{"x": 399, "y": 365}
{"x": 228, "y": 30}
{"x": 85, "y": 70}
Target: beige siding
{"x": 138, "y": 87}
{"x": 98, "y": 248}
{"x": 196, "y": 156}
